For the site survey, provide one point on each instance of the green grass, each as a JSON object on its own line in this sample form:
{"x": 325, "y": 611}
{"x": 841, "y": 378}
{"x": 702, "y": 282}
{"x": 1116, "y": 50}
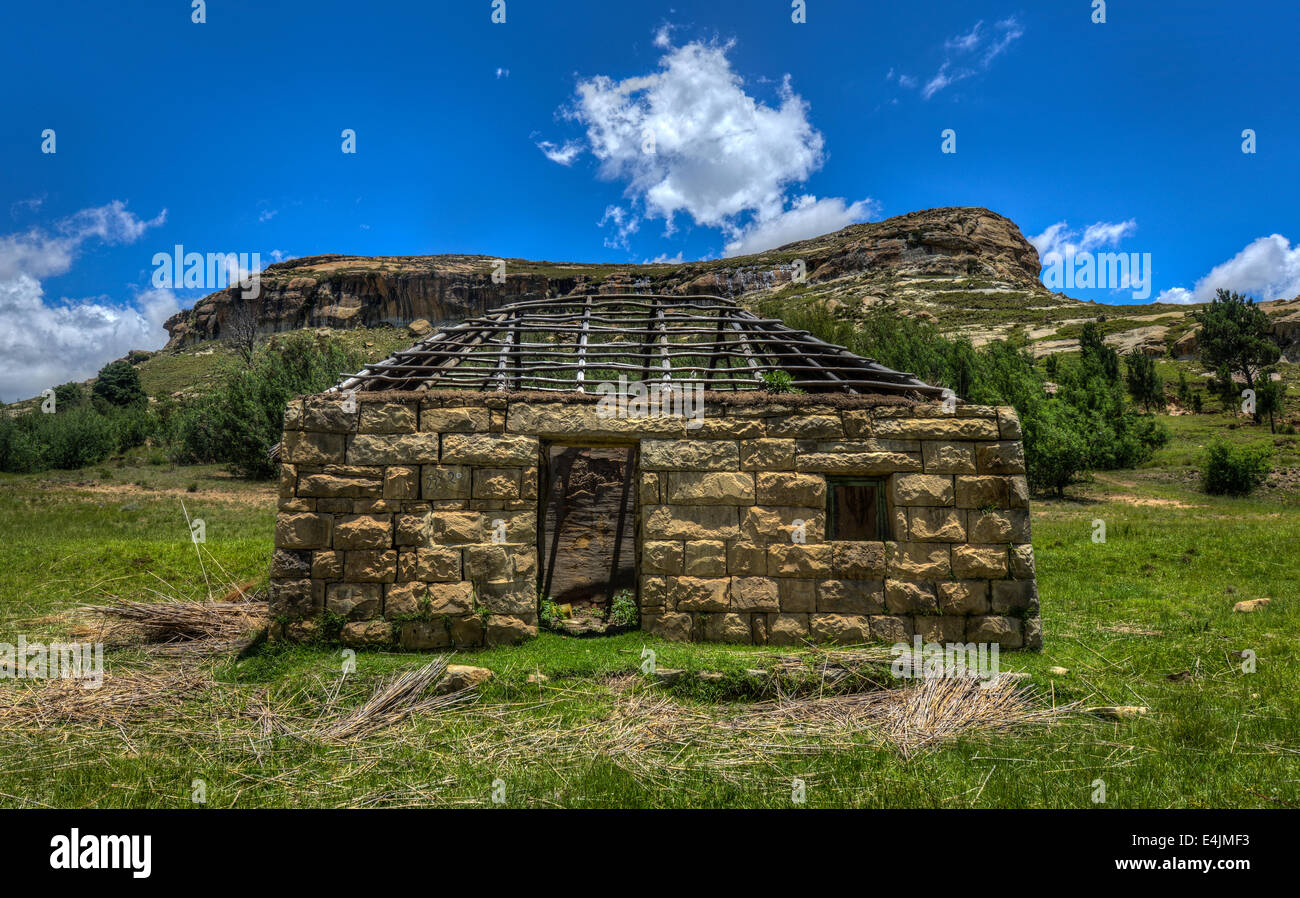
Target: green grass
{"x": 1154, "y": 600}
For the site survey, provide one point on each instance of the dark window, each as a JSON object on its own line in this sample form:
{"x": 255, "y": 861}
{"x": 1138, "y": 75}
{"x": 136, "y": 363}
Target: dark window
{"x": 857, "y": 509}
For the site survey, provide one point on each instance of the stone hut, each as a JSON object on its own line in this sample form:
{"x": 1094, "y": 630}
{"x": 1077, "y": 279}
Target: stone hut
{"x": 739, "y": 480}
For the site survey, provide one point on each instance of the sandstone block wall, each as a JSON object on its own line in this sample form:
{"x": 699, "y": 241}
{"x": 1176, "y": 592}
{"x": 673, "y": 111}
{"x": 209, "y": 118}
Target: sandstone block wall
{"x": 413, "y": 520}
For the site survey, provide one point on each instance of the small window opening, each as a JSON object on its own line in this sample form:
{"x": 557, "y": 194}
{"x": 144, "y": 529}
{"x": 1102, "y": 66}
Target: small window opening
{"x": 858, "y": 510}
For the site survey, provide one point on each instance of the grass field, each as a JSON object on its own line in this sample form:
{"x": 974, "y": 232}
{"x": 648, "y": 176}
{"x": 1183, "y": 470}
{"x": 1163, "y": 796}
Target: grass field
{"x": 1143, "y": 619}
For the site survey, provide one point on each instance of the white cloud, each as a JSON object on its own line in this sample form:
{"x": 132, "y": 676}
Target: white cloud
{"x": 625, "y": 224}
{"x": 687, "y": 138}
{"x": 1060, "y": 240}
{"x": 1177, "y": 296}
{"x": 664, "y": 259}
{"x": 806, "y": 217}
{"x": 44, "y": 343}
{"x": 563, "y": 154}
{"x": 267, "y": 214}
{"x": 1268, "y": 268}
{"x": 502, "y": 73}
{"x": 967, "y": 55}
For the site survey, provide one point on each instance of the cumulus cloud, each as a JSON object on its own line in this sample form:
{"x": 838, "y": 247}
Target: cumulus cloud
{"x": 1060, "y": 240}
{"x": 967, "y": 55}
{"x": 46, "y": 343}
{"x": 688, "y": 139}
{"x": 806, "y": 217}
{"x": 1268, "y": 268}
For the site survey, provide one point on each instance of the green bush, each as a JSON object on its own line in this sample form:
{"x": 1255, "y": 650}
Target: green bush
{"x": 1234, "y": 470}
{"x": 72, "y": 438}
{"x": 242, "y": 419}
{"x": 118, "y": 384}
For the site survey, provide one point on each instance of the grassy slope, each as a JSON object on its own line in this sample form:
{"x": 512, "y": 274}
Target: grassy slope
{"x": 1154, "y": 600}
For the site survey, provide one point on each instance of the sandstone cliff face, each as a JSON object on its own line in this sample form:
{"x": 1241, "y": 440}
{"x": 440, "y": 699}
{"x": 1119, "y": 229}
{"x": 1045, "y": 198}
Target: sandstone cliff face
{"x": 340, "y": 291}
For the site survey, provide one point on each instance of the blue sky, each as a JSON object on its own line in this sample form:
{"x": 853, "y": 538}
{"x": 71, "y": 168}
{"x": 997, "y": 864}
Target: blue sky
{"x": 519, "y": 139}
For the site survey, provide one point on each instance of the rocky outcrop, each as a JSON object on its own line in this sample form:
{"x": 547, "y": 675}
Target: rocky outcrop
{"x": 342, "y": 291}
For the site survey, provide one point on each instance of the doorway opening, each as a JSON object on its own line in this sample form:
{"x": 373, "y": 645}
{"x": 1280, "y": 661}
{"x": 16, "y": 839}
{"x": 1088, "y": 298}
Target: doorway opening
{"x": 587, "y": 539}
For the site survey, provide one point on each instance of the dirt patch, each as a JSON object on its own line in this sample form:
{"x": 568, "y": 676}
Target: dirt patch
{"x": 251, "y": 497}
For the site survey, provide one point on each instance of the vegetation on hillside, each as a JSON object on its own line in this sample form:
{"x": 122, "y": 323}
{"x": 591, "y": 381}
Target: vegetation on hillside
{"x": 1089, "y": 424}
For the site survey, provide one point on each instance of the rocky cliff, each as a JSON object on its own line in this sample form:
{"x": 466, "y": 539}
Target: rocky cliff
{"x": 972, "y": 251}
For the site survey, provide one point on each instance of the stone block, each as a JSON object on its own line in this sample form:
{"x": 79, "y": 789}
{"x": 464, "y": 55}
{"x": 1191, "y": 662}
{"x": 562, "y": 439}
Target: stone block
{"x": 363, "y": 531}
{"x": 326, "y": 565}
{"x": 435, "y": 565}
{"x": 851, "y": 596}
{"x": 790, "y": 489}
{"x": 709, "y": 488}
{"x": 455, "y": 420}
{"x": 803, "y": 426}
{"x": 755, "y": 594}
{"x": 1022, "y": 562}
{"x": 841, "y": 629}
{"x": 662, "y": 557}
{"x": 948, "y": 458}
{"x": 689, "y": 522}
{"x": 706, "y": 558}
{"x": 910, "y": 597}
{"x": 979, "y": 562}
{"x": 355, "y": 601}
{"x": 1007, "y": 632}
{"x": 939, "y": 524}
{"x": 787, "y": 629}
{"x": 947, "y": 429}
{"x": 387, "y": 417}
{"x": 393, "y": 449}
{"x": 1007, "y": 457}
{"x": 766, "y": 524}
{"x": 674, "y": 627}
{"x": 891, "y": 628}
{"x": 303, "y": 531}
{"x": 858, "y": 560}
{"x": 797, "y": 595}
{"x": 488, "y": 449}
{"x": 367, "y": 633}
{"x": 1014, "y": 596}
{"x": 330, "y": 415}
{"x": 746, "y": 559}
{"x": 496, "y": 483}
{"x": 699, "y": 593}
{"x": 961, "y": 597}
{"x": 302, "y": 448}
{"x": 729, "y": 628}
{"x": 919, "y": 561}
{"x": 443, "y": 482}
{"x": 370, "y": 566}
{"x": 690, "y": 455}
{"x": 401, "y": 482}
{"x": 922, "y": 489}
{"x": 810, "y": 561}
{"x": 767, "y": 455}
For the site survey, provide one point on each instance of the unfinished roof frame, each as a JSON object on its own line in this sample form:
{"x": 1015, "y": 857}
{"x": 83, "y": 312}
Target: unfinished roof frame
{"x": 567, "y": 344}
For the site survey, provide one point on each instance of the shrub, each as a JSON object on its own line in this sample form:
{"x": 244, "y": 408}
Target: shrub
{"x": 1235, "y": 471}
{"x": 243, "y": 418}
{"x": 118, "y": 384}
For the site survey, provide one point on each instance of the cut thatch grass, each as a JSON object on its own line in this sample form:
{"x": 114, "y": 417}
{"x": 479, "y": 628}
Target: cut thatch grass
{"x": 133, "y": 694}
{"x": 177, "y": 627}
{"x": 394, "y": 700}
